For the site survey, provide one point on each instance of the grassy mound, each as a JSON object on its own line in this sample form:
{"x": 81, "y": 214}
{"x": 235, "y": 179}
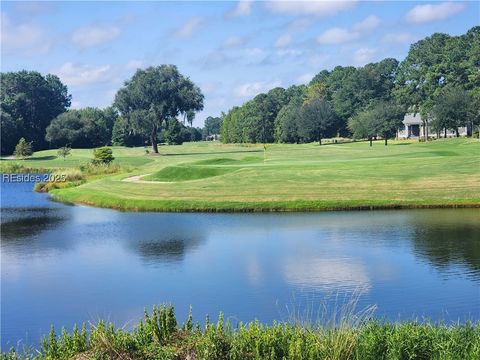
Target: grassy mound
{"x": 228, "y": 161}
{"x": 158, "y": 336}
{"x": 186, "y": 173}
{"x": 217, "y": 161}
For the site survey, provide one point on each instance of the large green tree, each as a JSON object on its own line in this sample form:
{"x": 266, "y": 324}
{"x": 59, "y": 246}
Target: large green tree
{"x": 88, "y": 127}
{"x": 172, "y": 134}
{"x": 155, "y": 95}
{"x": 212, "y": 126}
{"x": 124, "y": 135}
{"x": 315, "y": 121}
{"x": 452, "y": 108}
{"x": 351, "y": 90}
{"x": 29, "y": 101}
{"x": 254, "y": 121}
{"x": 431, "y": 64}
{"x": 363, "y": 125}
{"x": 436, "y": 62}
{"x": 388, "y": 118}
{"x": 286, "y": 123}
{"x": 382, "y": 118}
{"x": 191, "y": 133}
{"x": 231, "y": 130}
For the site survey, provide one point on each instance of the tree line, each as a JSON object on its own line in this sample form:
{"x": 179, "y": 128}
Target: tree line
{"x": 439, "y": 78}
{"x": 157, "y": 104}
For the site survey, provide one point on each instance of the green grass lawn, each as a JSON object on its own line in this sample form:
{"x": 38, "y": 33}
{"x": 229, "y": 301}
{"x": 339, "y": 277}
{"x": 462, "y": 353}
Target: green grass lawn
{"x": 217, "y": 177}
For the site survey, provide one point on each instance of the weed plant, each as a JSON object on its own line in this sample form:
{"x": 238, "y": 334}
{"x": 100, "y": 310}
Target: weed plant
{"x": 158, "y": 336}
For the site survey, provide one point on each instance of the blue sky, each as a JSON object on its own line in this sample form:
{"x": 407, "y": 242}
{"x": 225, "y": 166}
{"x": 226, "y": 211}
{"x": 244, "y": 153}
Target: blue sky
{"x": 232, "y": 49}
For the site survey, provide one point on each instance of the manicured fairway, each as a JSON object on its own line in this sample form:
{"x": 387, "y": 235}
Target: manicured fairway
{"x": 217, "y": 177}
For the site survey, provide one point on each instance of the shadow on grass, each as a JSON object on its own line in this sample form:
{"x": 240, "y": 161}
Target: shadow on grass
{"x": 49, "y": 157}
{"x": 217, "y": 152}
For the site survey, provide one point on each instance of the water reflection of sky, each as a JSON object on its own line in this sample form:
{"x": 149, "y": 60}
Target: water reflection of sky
{"x": 66, "y": 264}
{"x": 327, "y": 274}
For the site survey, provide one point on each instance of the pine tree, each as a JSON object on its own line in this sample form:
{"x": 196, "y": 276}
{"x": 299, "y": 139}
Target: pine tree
{"x": 23, "y": 149}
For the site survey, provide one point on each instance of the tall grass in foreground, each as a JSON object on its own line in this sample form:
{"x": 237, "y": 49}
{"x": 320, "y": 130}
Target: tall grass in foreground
{"x": 61, "y": 179}
{"x": 101, "y": 169}
{"x": 70, "y": 177}
{"x": 10, "y": 167}
{"x": 158, "y": 336}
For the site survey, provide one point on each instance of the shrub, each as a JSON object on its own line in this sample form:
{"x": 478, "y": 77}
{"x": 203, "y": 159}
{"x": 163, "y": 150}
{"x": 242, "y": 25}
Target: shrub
{"x": 100, "y": 168}
{"x": 23, "y": 149}
{"x": 61, "y": 179}
{"x": 68, "y": 175}
{"x": 102, "y": 155}
{"x": 64, "y": 151}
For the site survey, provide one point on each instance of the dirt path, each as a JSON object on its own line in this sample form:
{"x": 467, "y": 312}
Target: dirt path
{"x": 137, "y": 179}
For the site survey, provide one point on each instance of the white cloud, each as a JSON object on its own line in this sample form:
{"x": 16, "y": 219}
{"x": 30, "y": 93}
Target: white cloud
{"x": 289, "y": 53}
{"x": 33, "y": 7}
{"x": 363, "y": 56}
{"x": 400, "y": 38}
{"x": 77, "y": 74}
{"x": 254, "y": 271}
{"x": 305, "y": 78}
{"x": 23, "y": 38}
{"x": 250, "y": 89}
{"x": 134, "y": 64}
{"x": 93, "y": 35}
{"x": 255, "y": 54}
{"x": 433, "y": 12}
{"x": 326, "y": 273}
{"x": 189, "y": 28}
{"x": 337, "y": 36}
{"x": 214, "y": 60}
{"x": 283, "y": 41}
{"x": 233, "y": 41}
{"x": 369, "y": 23}
{"x": 318, "y": 8}
{"x": 300, "y": 24}
{"x": 318, "y": 60}
{"x": 243, "y": 8}
{"x": 210, "y": 87}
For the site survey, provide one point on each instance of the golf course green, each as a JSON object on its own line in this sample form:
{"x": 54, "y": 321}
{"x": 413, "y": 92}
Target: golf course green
{"x": 210, "y": 176}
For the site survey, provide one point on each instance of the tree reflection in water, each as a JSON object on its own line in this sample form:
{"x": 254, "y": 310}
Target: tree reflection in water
{"x": 167, "y": 250}
{"x": 449, "y": 239}
{"x": 24, "y": 224}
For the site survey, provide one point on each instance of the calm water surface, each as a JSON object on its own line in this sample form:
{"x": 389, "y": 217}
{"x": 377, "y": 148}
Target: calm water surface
{"x": 69, "y": 264}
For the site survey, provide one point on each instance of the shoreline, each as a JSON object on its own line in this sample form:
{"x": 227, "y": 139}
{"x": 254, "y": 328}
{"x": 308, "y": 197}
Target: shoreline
{"x": 298, "y": 178}
{"x": 195, "y": 206}
{"x": 161, "y": 335}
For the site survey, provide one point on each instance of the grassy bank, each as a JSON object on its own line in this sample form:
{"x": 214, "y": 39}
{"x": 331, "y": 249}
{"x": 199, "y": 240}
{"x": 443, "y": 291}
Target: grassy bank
{"x": 158, "y": 336}
{"x": 218, "y": 177}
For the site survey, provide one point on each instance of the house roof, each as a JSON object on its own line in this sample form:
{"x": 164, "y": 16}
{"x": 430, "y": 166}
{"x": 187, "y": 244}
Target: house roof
{"x": 412, "y": 119}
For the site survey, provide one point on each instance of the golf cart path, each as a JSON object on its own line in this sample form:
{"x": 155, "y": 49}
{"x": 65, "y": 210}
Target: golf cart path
{"x": 137, "y": 179}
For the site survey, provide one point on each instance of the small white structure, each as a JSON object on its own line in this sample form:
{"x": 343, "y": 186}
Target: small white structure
{"x": 414, "y": 128}
{"x": 213, "y": 137}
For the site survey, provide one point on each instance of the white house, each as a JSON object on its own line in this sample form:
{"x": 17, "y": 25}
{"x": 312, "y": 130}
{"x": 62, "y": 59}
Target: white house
{"x": 414, "y": 128}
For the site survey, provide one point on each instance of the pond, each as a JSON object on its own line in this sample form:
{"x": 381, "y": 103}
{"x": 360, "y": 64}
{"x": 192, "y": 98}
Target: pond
{"x": 64, "y": 264}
